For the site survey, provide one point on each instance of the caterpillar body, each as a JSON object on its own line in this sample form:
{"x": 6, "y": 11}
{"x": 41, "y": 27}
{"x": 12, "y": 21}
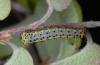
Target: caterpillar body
{"x": 52, "y": 32}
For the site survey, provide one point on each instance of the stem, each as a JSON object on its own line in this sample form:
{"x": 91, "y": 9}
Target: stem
{"x": 89, "y": 24}
{"x": 47, "y": 15}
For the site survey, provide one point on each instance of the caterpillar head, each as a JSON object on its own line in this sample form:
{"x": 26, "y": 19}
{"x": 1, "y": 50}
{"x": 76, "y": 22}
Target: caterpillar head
{"x": 24, "y": 36}
{"x": 27, "y": 37}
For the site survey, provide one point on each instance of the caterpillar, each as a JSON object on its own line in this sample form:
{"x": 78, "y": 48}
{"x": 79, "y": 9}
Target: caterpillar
{"x": 48, "y": 32}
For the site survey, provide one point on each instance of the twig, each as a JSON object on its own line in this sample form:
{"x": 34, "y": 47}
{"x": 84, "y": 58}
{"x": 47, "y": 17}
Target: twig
{"x": 89, "y": 24}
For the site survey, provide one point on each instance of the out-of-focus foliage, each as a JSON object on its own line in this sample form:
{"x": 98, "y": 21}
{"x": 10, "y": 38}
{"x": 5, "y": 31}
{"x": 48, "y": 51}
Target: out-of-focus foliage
{"x": 5, "y": 8}
{"x": 90, "y": 55}
{"x": 29, "y": 4}
{"x": 5, "y": 51}
{"x": 20, "y": 57}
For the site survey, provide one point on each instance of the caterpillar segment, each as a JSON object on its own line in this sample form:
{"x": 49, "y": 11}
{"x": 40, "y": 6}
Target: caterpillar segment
{"x": 42, "y": 35}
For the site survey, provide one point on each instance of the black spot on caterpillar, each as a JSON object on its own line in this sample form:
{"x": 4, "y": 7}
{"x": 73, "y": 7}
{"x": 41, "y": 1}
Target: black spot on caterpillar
{"x": 52, "y": 32}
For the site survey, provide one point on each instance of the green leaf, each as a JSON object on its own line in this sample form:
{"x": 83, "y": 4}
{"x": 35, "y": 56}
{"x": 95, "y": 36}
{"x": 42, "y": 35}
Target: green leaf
{"x": 90, "y": 55}
{"x": 20, "y": 57}
{"x": 5, "y": 8}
